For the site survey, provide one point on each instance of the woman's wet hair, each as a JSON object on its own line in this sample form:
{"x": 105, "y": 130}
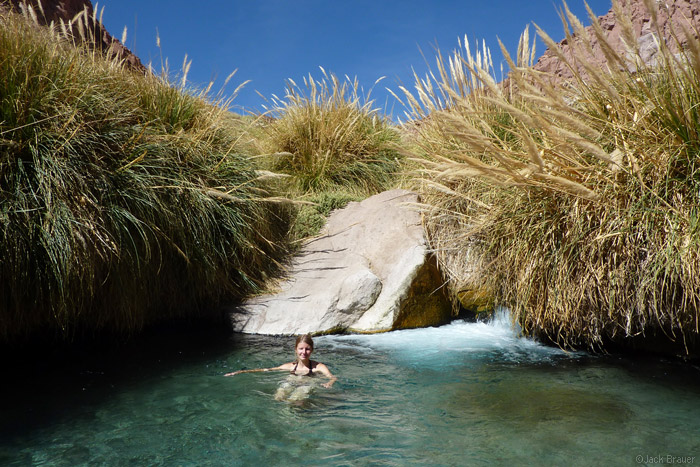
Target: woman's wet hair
{"x": 305, "y": 338}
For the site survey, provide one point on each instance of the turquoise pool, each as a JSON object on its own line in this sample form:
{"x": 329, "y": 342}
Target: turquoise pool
{"x": 467, "y": 393}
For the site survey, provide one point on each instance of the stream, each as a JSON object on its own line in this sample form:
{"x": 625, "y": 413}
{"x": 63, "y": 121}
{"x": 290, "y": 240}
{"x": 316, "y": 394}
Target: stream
{"x": 467, "y": 393}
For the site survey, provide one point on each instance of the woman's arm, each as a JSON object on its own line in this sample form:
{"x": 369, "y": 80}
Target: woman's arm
{"x": 259, "y": 370}
{"x": 256, "y": 370}
{"x": 324, "y": 369}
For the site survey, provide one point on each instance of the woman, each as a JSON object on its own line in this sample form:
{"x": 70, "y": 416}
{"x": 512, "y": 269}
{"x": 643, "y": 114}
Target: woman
{"x": 302, "y": 366}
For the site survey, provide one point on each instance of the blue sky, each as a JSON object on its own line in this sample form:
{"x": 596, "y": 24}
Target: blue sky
{"x": 268, "y": 41}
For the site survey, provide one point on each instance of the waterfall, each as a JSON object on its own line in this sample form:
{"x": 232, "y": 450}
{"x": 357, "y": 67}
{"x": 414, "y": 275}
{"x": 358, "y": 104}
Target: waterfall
{"x": 497, "y": 338}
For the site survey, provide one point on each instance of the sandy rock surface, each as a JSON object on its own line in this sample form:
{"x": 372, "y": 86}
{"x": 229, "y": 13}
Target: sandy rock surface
{"x": 370, "y": 270}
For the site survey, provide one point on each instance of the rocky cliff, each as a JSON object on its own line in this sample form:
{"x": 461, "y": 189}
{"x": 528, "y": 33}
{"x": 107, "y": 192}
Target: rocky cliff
{"x": 673, "y": 17}
{"x": 67, "y": 11}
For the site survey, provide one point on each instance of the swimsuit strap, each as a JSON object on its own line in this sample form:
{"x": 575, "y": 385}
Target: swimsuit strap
{"x": 296, "y": 364}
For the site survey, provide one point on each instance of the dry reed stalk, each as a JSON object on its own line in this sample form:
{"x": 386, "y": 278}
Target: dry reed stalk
{"x": 576, "y": 194}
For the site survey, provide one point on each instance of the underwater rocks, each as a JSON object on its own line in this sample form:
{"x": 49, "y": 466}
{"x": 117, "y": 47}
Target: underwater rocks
{"x": 370, "y": 270}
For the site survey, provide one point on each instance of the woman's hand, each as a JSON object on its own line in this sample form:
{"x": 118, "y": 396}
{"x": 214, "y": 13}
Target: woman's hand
{"x": 234, "y": 373}
{"x": 329, "y": 384}
{"x": 321, "y": 368}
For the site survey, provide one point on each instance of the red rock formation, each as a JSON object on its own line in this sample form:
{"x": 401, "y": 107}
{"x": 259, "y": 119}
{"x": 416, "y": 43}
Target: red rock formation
{"x": 65, "y": 10}
{"x": 673, "y": 16}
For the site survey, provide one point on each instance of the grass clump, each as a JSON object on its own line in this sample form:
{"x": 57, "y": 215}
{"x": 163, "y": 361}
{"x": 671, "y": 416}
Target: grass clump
{"x": 311, "y": 216}
{"x": 328, "y": 137}
{"x": 332, "y": 146}
{"x": 578, "y": 198}
{"x": 123, "y": 199}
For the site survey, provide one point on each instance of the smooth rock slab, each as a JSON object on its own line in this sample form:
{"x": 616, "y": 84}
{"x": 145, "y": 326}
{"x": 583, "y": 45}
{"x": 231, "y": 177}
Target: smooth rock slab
{"x": 370, "y": 270}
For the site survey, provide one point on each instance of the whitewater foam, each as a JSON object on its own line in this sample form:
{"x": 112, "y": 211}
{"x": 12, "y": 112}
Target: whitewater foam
{"x": 496, "y": 338}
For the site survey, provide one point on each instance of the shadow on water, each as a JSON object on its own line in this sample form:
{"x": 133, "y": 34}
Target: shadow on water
{"x": 49, "y": 384}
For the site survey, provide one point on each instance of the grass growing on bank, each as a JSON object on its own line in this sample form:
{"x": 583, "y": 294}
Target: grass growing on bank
{"x": 333, "y": 144}
{"x": 579, "y": 199}
{"x": 123, "y": 199}
{"x": 328, "y": 135}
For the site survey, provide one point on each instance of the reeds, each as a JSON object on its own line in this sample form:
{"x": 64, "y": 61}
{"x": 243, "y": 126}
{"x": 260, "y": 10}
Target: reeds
{"x": 327, "y": 135}
{"x": 333, "y": 146}
{"x": 124, "y": 200}
{"x": 578, "y": 198}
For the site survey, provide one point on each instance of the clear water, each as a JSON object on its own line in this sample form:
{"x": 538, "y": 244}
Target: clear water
{"x": 461, "y": 394}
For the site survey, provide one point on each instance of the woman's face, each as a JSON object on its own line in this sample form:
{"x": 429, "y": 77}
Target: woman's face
{"x": 304, "y": 350}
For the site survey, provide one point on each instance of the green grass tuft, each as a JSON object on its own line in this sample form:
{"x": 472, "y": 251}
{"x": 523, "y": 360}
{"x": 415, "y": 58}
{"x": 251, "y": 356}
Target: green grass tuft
{"x": 328, "y": 136}
{"x": 124, "y": 200}
{"x": 312, "y": 217}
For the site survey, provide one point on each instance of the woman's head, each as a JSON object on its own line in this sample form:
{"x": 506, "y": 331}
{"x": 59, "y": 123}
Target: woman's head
{"x": 306, "y": 338}
{"x": 303, "y": 346}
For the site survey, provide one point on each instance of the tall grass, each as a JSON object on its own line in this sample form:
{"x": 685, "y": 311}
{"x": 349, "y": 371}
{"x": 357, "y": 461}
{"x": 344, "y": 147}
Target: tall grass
{"x": 327, "y": 135}
{"x": 123, "y": 199}
{"x": 333, "y": 145}
{"x": 579, "y": 199}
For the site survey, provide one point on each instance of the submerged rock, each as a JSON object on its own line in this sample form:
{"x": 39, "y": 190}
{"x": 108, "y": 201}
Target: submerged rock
{"x": 370, "y": 270}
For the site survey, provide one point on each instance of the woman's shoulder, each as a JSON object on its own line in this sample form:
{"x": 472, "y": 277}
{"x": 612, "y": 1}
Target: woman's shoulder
{"x": 286, "y": 366}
